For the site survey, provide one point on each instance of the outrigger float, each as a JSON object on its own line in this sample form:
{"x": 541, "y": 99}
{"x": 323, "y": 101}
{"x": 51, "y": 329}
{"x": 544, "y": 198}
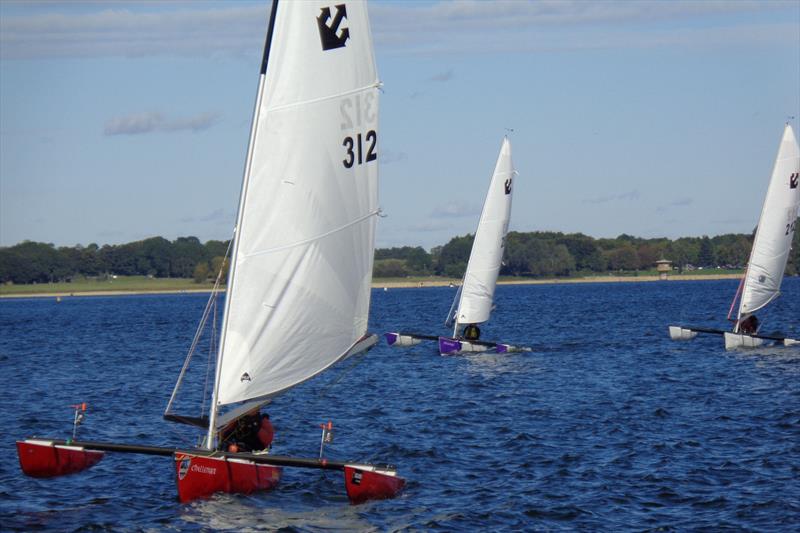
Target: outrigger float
{"x": 200, "y": 473}
{"x": 451, "y": 346}
{"x": 300, "y": 269}
{"x": 762, "y": 279}
{"x": 473, "y": 302}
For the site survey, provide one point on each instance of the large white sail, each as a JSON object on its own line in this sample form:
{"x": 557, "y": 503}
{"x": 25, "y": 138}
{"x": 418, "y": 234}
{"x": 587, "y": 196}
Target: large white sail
{"x": 775, "y": 230}
{"x": 299, "y": 288}
{"x": 477, "y": 292}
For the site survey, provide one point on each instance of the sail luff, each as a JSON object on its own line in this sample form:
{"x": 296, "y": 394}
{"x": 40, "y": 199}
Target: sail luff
{"x": 776, "y": 227}
{"x": 239, "y": 219}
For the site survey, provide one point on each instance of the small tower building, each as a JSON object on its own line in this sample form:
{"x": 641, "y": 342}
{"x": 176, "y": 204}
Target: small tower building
{"x": 663, "y": 267}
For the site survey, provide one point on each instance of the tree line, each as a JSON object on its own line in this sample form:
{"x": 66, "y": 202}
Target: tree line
{"x": 533, "y": 254}
{"x": 185, "y": 257}
{"x": 555, "y": 254}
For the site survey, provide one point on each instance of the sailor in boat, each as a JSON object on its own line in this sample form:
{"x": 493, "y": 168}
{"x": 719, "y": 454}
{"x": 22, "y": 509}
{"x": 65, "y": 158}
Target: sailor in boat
{"x": 472, "y": 332}
{"x": 252, "y": 432}
{"x": 749, "y": 326}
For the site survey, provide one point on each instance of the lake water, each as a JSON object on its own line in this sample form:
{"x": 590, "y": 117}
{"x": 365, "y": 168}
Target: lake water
{"x": 606, "y": 425}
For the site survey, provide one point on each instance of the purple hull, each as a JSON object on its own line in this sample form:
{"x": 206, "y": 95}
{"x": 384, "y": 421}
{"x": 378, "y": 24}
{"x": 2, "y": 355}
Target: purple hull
{"x": 449, "y": 346}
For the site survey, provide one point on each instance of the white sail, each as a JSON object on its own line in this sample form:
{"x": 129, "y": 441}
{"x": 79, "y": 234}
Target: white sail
{"x": 477, "y": 292}
{"x": 775, "y": 230}
{"x": 299, "y": 287}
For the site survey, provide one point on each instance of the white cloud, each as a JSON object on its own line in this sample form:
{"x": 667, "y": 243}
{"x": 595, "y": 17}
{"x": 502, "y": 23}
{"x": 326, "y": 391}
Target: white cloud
{"x": 630, "y": 195}
{"x": 455, "y": 210}
{"x": 442, "y": 76}
{"x": 679, "y": 202}
{"x": 387, "y": 157}
{"x": 217, "y": 215}
{"x": 121, "y": 32}
{"x": 184, "y": 29}
{"x": 153, "y": 121}
{"x": 514, "y": 26}
{"x": 430, "y": 226}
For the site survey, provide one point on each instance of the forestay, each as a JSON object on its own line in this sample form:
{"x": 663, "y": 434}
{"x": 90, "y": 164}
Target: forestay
{"x": 775, "y": 231}
{"x": 299, "y": 287}
{"x": 477, "y": 293}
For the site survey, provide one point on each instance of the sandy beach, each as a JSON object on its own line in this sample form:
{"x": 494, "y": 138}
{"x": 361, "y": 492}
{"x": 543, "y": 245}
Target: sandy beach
{"x": 396, "y": 284}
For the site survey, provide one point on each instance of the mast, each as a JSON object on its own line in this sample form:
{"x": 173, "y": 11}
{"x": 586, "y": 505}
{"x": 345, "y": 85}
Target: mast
{"x": 212, "y": 418}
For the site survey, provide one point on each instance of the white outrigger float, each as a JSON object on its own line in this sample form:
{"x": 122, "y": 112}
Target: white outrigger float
{"x": 762, "y": 279}
{"x": 472, "y": 304}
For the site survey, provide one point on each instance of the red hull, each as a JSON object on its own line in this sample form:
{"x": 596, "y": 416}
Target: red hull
{"x": 200, "y": 477}
{"x": 363, "y": 485}
{"x": 41, "y": 458}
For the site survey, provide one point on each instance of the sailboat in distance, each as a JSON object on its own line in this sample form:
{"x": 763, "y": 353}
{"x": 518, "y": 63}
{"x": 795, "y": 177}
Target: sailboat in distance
{"x": 473, "y": 302}
{"x": 762, "y": 279}
{"x": 300, "y": 275}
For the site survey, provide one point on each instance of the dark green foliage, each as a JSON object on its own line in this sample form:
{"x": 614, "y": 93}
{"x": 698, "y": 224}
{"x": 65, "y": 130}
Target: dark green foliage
{"x": 390, "y": 268}
{"x": 31, "y": 262}
{"x": 526, "y": 254}
{"x": 416, "y": 261}
{"x": 452, "y": 255}
{"x": 705, "y": 258}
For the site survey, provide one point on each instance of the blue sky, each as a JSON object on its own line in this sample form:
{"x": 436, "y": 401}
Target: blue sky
{"x": 120, "y": 120}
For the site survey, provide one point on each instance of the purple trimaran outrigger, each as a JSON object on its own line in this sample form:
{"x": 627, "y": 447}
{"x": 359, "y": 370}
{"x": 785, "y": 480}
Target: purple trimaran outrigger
{"x": 474, "y": 300}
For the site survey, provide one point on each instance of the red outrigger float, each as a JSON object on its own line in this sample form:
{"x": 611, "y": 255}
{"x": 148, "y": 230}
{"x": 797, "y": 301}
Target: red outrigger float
{"x": 200, "y": 473}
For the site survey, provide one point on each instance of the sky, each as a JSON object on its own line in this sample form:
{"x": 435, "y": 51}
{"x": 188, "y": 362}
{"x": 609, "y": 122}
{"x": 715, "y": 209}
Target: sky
{"x": 126, "y": 120}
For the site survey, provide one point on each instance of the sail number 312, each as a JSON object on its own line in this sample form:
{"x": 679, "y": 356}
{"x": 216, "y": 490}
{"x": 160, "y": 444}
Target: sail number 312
{"x": 355, "y": 149}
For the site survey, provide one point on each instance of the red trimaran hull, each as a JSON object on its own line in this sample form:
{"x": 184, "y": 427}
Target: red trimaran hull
{"x": 200, "y": 475}
{"x": 46, "y": 459}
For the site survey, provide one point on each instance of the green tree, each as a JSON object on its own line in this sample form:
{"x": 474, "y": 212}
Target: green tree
{"x": 186, "y": 253}
{"x": 623, "y": 258}
{"x": 220, "y": 263}
{"x": 705, "y": 257}
{"x": 453, "y": 254}
{"x": 390, "y": 268}
{"x": 201, "y": 272}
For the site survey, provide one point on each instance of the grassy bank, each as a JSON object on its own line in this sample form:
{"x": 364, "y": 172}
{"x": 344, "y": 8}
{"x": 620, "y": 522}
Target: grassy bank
{"x": 122, "y": 284}
{"x": 143, "y": 284}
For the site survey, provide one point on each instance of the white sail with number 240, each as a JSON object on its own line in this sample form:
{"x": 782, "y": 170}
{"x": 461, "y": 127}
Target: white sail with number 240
{"x": 776, "y": 228}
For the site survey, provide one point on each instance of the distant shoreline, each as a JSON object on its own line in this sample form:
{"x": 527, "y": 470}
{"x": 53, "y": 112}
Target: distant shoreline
{"x": 556, "y": 281}
{"x": 392, "y": 284}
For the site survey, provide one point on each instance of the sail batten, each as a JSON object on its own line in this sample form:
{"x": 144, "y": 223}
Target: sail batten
{"x": 775, "y": 231}
{"x": 485, "y": 260}
{"x": 298, "y": 298}
{"x": 376, "y": 85}
{"x": 315, "y": 238}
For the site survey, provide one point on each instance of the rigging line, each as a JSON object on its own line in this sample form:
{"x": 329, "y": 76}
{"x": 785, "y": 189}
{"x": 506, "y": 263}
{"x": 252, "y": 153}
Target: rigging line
{"x": 312, "y": 239}
{"x": 376, "y": 85}
{"x": 212, "y": 349}
{"x": 198, "y": 333}
{"x": 322, "y": 394}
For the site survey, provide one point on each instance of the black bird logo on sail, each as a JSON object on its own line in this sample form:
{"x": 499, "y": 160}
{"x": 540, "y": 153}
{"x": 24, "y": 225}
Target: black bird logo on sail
{"x": 329, "y": 34}
{"x": 793, "y": 180}
{"x": 508, "y": 186}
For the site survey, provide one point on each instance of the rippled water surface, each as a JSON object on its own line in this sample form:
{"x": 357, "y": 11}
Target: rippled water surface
{"x": 606, "y": 425}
